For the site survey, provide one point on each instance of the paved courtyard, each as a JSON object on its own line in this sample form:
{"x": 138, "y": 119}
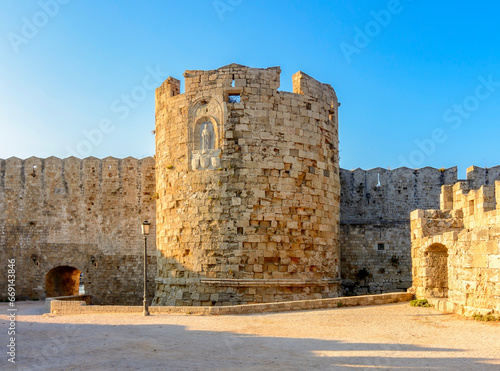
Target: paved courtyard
{"x": 394, "y": 336}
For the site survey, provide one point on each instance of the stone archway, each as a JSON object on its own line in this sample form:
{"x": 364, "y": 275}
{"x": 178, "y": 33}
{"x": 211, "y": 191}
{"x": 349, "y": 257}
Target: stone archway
{"x": 436, "y": 271}
{"x": 62, "y": 281}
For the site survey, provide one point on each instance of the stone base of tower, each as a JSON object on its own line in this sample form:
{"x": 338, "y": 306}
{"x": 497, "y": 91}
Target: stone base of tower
{"x": 210, "y": 292}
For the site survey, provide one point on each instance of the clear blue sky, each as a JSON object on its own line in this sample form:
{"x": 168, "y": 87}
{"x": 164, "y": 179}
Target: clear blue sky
{"x": 419, "y": 82}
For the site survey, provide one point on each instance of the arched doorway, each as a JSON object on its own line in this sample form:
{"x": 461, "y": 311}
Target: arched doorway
{"x": 436, "y": 276}
{"x": 62, "y": 281}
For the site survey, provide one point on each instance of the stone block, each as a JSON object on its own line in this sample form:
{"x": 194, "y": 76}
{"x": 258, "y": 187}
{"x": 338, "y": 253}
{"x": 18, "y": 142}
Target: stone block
{"x": 480, "y": 261}
{"x": 494, "y": 262}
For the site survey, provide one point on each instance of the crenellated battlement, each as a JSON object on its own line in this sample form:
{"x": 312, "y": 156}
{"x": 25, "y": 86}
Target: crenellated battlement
{"x": 382, "y": 195}
{"x": 461, "y": 206}
{"x": 468, "y": 203}
{"x": 232, "y": 75}
{"x": 455, "y": 250}
{"x": 306, "y": 85}
{"x": 170, "y": 87}
{"x": 235, "y": 79}
{"x": 479, "y": 176}
{"x": 16, "y": 173}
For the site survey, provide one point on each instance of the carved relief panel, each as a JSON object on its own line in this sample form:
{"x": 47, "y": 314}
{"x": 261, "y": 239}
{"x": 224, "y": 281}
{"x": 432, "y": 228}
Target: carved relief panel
{"x": 205, "y": 151}
{"x": 207, "y": 157}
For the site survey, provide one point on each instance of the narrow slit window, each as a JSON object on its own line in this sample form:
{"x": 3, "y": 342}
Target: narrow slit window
{"x": 234, "y": 98}
{"x": 81, "y": 288}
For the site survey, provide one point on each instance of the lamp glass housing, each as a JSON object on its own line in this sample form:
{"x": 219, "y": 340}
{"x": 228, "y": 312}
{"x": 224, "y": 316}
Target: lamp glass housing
{"x": 145, "y": 227}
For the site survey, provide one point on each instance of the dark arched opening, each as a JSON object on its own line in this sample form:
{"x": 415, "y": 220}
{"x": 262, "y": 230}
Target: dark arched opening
{"x": 62, "y": 281}
{"x": 436, "y": 277}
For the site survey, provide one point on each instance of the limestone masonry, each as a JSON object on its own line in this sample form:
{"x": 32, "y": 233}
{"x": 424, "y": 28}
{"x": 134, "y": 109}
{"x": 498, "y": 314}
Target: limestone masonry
{"x": 62, "y": 218}
{"x": 248, "y": 188}
{"x": 375, "y": 208}
{"x": 248, "y": 205}
{"x": 456, "y": 249}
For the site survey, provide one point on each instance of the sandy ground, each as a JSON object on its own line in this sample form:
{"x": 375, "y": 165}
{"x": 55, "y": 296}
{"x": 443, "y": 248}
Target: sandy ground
{"x": 394, "y": 336}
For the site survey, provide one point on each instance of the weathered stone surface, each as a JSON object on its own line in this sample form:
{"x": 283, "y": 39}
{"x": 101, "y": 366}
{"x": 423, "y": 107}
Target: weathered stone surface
{"x": 375, "y": 207}
{"x": 249, "y": 210}
{"x": 63, "y": 306}
{"x": 455, "y": 249}
{"x": 84, "y": 214}
{"x": 267, "y": 211}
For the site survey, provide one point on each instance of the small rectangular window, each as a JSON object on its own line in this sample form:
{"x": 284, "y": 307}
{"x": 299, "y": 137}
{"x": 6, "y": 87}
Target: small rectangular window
{"x": 380, "y": 247}
{"x": 234, "y": 98}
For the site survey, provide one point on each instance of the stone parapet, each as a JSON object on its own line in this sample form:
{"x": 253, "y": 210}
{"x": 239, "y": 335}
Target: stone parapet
{"x": 456, "y": 250}
{"x": 79, "y": 307}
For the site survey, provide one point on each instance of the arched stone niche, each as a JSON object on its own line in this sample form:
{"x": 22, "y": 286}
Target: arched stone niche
{"x": 205, "y": 135}
{"x": 436, "y": 272}
{"x": 62, "y": 281}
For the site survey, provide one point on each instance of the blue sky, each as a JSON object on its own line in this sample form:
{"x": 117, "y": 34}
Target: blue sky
{"x": 419, "y": 82}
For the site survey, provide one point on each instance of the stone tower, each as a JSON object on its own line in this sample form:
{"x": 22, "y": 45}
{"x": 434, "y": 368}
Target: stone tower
{"x": 247, "y": 188}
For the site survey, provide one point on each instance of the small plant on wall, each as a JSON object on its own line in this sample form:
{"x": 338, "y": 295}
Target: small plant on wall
{"x": 362, "y": 274}
{"x": 394, "y": 261}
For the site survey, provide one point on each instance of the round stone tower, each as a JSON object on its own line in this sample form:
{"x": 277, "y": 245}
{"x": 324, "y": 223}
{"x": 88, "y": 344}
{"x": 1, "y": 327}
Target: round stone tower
{"x": 247, "y": 188}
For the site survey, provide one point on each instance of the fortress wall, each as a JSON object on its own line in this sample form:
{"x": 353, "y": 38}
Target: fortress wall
{"x": 80, "y": 213}
{"x": 85, "y": 213}
{"x": 479, "y": 176}
{"x": 400, "y": 192}
{"x": 375, "y": 207}
{"x": 455, "y": 250}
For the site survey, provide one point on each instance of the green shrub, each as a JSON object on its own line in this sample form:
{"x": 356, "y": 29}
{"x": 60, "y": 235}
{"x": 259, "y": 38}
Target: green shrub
{"x": 420, "y": 303}
{"x": 485, "y": 318}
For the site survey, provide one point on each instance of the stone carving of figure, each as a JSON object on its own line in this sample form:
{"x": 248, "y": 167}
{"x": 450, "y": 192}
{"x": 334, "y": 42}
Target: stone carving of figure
{"x": 205, "y": 138}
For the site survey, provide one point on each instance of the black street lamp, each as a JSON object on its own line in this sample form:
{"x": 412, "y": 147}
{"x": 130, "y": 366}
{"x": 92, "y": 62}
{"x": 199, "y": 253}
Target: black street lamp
{"x": 145, "y": 231}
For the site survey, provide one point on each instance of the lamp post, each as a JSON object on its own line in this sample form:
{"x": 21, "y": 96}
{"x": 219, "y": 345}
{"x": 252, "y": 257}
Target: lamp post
{"x": 145, "y": 231}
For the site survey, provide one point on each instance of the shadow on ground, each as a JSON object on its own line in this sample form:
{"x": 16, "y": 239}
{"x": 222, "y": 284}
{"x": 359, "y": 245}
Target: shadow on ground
{"x": 44, "y": 346}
